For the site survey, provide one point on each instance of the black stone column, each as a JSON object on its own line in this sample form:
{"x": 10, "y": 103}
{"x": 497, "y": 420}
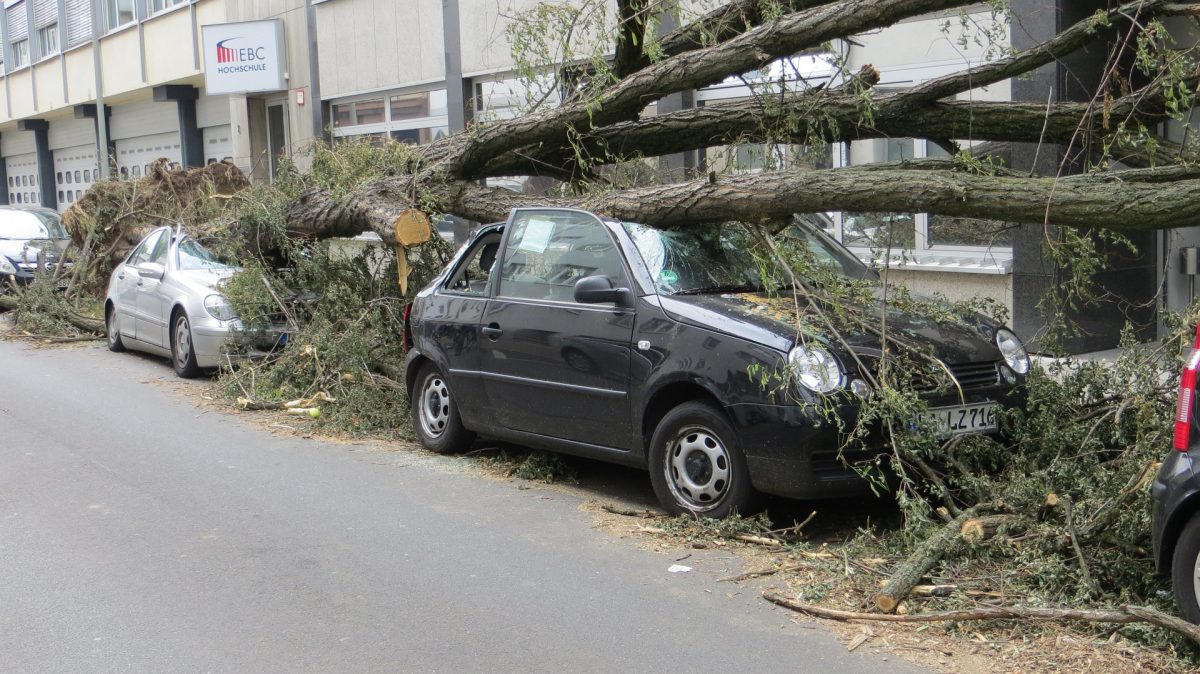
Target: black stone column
{"x": 191, "y": 139}
{"x": 1131, "y": 278}
{"x": 45, "y": 159}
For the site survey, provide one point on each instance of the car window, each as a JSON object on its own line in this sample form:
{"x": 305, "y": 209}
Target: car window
{"x": 22, "y": 225}
{"x": 475, "y": 269}
{"x": 159, "y": 253}
{"x": 191, "y": 255}
{"x": 143, "y": 251}
{"x": 549, "y": 250}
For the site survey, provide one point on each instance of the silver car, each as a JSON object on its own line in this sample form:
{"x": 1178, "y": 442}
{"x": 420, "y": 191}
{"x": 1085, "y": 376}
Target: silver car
{"x": 165, "y": 299}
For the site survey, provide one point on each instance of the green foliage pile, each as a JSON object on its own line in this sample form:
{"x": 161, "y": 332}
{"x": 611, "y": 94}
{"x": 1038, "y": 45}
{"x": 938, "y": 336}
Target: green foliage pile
{"x": 339, "y": 301}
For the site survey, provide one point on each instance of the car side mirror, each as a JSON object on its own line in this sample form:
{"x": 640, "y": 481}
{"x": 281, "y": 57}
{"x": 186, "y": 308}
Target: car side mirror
{"x": 598, "y": 289}
{"x": 151, "y": 270}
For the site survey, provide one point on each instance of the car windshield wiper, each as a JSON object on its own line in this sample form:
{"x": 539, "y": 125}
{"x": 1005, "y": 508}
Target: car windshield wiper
{"x": 742, "y": 288}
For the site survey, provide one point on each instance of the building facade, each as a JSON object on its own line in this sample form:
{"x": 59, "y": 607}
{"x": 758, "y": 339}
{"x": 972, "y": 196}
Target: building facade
{"x": 83, "y": 80}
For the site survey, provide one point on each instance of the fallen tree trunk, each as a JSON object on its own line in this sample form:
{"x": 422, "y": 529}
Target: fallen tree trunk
{"x": 910, "y": 572}
{"x": 87, "y": 324}
{"x": 1122, "y": 616}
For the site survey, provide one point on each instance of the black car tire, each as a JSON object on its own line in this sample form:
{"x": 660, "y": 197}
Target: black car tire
{"x": 435, "y": 417}
{"x": 184, "y": 362}
{"x": 697, "y": 438}
{"x": 113, "y": 331}
{"x": 1184, "y": 570}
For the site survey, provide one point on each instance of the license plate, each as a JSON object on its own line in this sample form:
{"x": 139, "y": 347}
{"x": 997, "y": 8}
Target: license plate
{"x": 956, "y": 420}
{"x": 63, "y": 282}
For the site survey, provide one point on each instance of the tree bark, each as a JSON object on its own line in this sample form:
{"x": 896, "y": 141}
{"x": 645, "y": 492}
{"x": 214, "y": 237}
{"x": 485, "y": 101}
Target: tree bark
{"x": 910, "y": 572}
{"x": 1122, "y": 616}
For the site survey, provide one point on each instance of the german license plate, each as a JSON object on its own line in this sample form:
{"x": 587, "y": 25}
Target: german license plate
{"x": 980, "y": 418}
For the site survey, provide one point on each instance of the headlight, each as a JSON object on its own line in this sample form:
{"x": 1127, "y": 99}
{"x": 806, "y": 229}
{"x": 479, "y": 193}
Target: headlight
{"x": 1012, "y": 350}
{"x": 6, "y": 267}
{"x": 219, "y": 308}
{"x": 815, "y": 368}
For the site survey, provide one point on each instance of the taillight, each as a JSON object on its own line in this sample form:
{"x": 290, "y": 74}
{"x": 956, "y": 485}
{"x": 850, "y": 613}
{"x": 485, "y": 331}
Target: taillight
{"x": 408, "y": 340}
{"x": 1187, "y": 396}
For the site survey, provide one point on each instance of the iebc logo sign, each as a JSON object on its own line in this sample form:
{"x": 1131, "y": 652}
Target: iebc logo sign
{"x": 238, "y": 58}
{"x": 244, "y": 57}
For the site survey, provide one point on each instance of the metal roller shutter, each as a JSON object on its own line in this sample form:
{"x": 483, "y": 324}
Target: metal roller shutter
{"x": 45, "y": 12}
{"x": 79, "y": 21}
{"x": 134, "y": 155}
{"x": 18, "y": 26}
{"x": 75, "y": 170}
{"x": 22, "y": 180}
{"x": 218, "y": 144}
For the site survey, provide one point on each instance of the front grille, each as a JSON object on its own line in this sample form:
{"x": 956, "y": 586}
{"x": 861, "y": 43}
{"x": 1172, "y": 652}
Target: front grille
{"x": 976, "y": 375}
{"x": 927, "y": 378}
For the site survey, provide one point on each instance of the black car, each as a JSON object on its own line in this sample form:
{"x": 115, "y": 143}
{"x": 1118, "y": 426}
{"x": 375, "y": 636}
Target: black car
{"x": 1175, "y": 498}
{"x": 565, "y": 331}
{"x": 29, "y": 237}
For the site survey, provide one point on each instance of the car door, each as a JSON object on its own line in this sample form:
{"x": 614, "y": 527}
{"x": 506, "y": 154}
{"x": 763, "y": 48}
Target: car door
{"x": 126, "y": 300}
{"x": 151, "y": 323}
{"x": 551, "y": 365}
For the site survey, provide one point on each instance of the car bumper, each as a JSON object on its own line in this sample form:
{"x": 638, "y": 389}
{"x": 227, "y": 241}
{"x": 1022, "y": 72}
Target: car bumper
{"x": 212, "y": 343}
{"x": 796, "y": 451}
{"x": 1176, "y": 485}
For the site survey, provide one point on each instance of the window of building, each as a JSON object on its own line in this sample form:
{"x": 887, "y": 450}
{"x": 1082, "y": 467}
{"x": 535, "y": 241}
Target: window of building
{"x": 20, "y": 53}
{"x": 118, "y": 13}
{"x": 47, "y": 38}
{"x": 412, "y": 117}
{"x": 160, "y": 5}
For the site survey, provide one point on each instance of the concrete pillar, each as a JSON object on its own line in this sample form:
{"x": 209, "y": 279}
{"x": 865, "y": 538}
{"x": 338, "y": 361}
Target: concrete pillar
{"x": 45, "y": 159}
{"x": 681, "y": 165}
{"x": 105, "y": 146}
{"x": 191, "y": 139}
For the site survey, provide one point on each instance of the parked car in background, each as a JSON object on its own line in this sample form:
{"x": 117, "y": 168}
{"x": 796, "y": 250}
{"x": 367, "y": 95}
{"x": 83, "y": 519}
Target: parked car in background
{"x": 165, "y": 299}
{"x": 1175, "y": 498}
{"x": 29, "y": 237}
{"x": 565, "y": 331}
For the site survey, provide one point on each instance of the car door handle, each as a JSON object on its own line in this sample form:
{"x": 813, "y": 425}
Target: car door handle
{"x": 121, "y": 276}
{"x": 492, "y": 330}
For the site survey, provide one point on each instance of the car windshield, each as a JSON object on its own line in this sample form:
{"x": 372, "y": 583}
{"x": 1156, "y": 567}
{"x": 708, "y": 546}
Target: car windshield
{"x": 192, "y": 255}
{"x": 22, "y": 225}
{"x": 718, "y": 258}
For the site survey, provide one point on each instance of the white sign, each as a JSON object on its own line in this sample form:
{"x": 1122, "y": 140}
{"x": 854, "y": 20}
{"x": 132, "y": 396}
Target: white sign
{"x": 244, "y": 57}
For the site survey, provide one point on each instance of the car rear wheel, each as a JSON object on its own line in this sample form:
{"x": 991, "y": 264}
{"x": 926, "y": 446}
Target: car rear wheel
{"x": 113, "y": 330}
{"x": 1185, "y": 570}
{"x": 435, "y": 416}
{"x": 183, "y": 352}
{"x": 696, "y": 465}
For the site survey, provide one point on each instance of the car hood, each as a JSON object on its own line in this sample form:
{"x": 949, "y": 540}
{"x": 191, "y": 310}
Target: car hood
{"x": 771, "y": 321}
{"x": 202, "y": 282}
{"x": 25, "y": 250}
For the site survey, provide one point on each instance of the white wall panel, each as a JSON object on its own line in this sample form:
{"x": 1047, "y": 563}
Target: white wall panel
{"x": 144, "y": 118}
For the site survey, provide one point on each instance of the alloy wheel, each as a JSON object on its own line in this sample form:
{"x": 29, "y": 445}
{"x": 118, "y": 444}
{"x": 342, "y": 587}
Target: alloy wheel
{"x": 183, "y": 342}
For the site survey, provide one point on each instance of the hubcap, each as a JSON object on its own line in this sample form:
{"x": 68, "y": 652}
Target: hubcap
{"x": 1196, "y": 578}
{"x": 183, "y": 342}
{"x": 110, "y": 326}
{"x": 698, "y": 468}
{"x": 435, "y": 406}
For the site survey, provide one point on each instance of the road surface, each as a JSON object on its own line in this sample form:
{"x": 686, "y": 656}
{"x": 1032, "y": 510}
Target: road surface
{"x": 141, "y": 532}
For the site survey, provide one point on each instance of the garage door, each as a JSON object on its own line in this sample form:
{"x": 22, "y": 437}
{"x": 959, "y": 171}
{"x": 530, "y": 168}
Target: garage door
{"x": 134, "y": 155}
{"x": 22, "y": 179}
{"x": 218, "y": 144}
{"x": 74, "y": 172}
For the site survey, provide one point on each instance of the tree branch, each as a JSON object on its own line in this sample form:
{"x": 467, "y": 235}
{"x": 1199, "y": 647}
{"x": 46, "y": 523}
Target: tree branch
{"x": 631, "y": 37}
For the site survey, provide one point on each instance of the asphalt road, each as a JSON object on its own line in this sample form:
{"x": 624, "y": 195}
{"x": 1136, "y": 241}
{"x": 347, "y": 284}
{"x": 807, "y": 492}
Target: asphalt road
{"x": 140, "y": 532}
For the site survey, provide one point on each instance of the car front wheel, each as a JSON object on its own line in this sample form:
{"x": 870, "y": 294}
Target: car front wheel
{"x": 435, "y": 416}
{"x": 113, "y": 330}
{"x": 183, "y": 352}
{"x": 1185, "y": 570}
{"x": 696, "y": 465}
